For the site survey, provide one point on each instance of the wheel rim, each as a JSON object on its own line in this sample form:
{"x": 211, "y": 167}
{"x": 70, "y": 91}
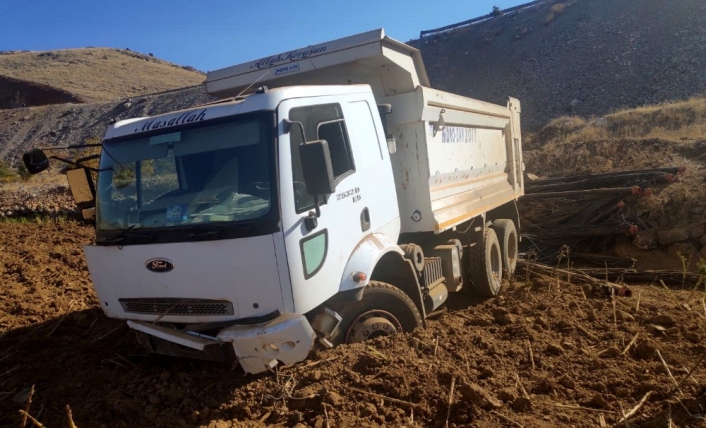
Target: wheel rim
{"x": 512, "y": 251}
{"x": 372, "y": 324}
{"x": 495, "y": 263}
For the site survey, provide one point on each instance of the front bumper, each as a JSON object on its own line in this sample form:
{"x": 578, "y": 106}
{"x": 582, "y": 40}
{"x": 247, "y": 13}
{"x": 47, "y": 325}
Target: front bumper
{"x": 257, "y": 347}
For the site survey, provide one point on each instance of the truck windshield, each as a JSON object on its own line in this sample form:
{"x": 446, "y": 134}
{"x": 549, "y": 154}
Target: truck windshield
{"x": 214, "y": 174}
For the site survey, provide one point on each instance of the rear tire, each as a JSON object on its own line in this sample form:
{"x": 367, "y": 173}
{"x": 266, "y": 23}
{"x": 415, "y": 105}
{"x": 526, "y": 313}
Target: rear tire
{"x": 383, "y": 310}
{"x": 486, "y": 265}
{"x": 507, "y": 235}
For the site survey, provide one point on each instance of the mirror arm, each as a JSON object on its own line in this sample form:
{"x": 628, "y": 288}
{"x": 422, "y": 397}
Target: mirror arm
{"x": 77, "y": 146}
{"x": 312, "y": 220}
{"x": 316, "y": 207}
{"x": 78, "y": 163}
{"x": 87, "y": 158}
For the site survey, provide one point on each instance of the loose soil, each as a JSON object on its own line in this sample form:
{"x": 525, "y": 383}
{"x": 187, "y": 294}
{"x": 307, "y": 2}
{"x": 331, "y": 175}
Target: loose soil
{"x": 528, "y": 358}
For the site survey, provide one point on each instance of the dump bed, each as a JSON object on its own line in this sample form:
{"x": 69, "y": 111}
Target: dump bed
{"x": 456, "y": 157}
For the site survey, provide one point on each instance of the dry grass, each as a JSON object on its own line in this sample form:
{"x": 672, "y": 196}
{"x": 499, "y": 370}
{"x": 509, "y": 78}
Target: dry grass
{"x": 98, "y": 74}
{"x": 677, "y": 121}
{"x": 683, "y": 120}
{"x": 557, "y": 9}
{"x": 645, "y": 137}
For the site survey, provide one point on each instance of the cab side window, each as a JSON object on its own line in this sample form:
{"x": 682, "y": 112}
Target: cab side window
{"x": 321, "y": 122}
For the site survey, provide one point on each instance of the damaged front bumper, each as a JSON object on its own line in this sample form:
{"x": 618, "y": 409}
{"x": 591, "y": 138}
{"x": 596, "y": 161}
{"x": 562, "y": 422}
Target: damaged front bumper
{"x": 257, "y": 347}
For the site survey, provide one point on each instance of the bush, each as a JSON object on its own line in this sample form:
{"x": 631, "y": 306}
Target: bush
{"x": 23, "y": 172}
{"x": 496, "y": 11}
{"x": 6, "y": 173}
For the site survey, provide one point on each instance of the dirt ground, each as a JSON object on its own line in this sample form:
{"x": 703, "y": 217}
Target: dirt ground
{"x": 545, "y": 353}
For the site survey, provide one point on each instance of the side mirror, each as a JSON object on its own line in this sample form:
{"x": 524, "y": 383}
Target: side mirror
{"x": 316, "y": 166}
{"x": 35, "y": 161}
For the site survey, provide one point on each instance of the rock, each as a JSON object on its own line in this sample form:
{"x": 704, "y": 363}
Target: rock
{"x": 486, "y": 373}
{"x": 692, "y": 336}
{"x": 164, "y": 377}
{"x": 670, "y": 236}
{"x": 507, "y": 395}
{"x": 368, "y": 409}
{"x": 522, "y": 404}
{"x": 224, "y": 424}
{"x": 502, "y": 317}
{"x": 663, "y": 320}
{"x": 597, "y": 402}
{"x": 682, "y": 249}
{"x": 314, "y": 376}
{"x": 624, "y": 316}
{"x": 553, "y": 349}
{"x": 622, "y": 392}
{"x": 697, "y": 232}
{"x": 153, "y": 399}
{"x": 567, "y": 382}
{"x": 611, "y": 352}
{"x": 645, "y": 350}
{"x": 601, "y": 121}
{"x": 475, "y": 394}
{"x": 573, "y": 104}
{"x": 334, "y": 398}
{"x": 657, "y": 330}
{"x": 645, "y": 239}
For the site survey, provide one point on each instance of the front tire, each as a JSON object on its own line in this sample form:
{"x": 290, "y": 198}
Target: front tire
{"x": 384, "y": 310}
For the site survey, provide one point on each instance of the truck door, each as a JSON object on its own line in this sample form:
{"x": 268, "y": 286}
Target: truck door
{"x": 317, "y": 256}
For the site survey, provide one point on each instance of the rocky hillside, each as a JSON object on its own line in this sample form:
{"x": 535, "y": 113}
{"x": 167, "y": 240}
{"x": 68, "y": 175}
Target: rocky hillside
{"x": 86, "y": 75}
{"x": 587, "y": 57}
{"x": 68, "y": 124}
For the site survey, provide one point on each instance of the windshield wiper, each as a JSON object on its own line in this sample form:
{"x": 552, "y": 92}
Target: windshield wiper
{"x": 128, "y": 235}
{"x": 200, "y": 234}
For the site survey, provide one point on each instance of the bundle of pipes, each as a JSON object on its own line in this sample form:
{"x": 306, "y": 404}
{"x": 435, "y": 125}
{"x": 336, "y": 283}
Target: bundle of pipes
{"x": 616, "y": 277}
{"x": 643, "y": 178}
{"x": 578, "y": 211}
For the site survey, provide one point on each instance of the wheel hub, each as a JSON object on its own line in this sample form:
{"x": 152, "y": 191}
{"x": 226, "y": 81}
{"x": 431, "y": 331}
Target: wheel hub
{"x": 372, "y": 324}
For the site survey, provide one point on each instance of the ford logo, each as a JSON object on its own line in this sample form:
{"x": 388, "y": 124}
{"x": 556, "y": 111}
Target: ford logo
{"x": 159, "y": 265}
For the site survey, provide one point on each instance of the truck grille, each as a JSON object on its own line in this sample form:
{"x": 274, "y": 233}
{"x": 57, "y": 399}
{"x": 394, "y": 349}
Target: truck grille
{"x": 177, "y": 306}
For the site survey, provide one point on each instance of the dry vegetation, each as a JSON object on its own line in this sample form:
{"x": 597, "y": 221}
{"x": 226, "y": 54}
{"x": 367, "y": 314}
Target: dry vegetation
{"x": 557, "y": 9}
{"x": 98, "y": 74}
{"x": 644, "y": 137}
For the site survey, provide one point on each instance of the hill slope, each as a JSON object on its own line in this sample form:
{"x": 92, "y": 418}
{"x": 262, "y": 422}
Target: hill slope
{"x": 68, "y": 124}
{"x": 586, "y": 56}
{"x": 86, "y": 75}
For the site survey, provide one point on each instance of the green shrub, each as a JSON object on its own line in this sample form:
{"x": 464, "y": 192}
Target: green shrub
{"x": 22, "y": 172}
{"x": 6, "y": 173}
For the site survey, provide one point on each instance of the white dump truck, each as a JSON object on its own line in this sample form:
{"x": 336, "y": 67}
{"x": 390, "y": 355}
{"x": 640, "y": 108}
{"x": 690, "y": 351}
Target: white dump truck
{"x": 331, "y": 196}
